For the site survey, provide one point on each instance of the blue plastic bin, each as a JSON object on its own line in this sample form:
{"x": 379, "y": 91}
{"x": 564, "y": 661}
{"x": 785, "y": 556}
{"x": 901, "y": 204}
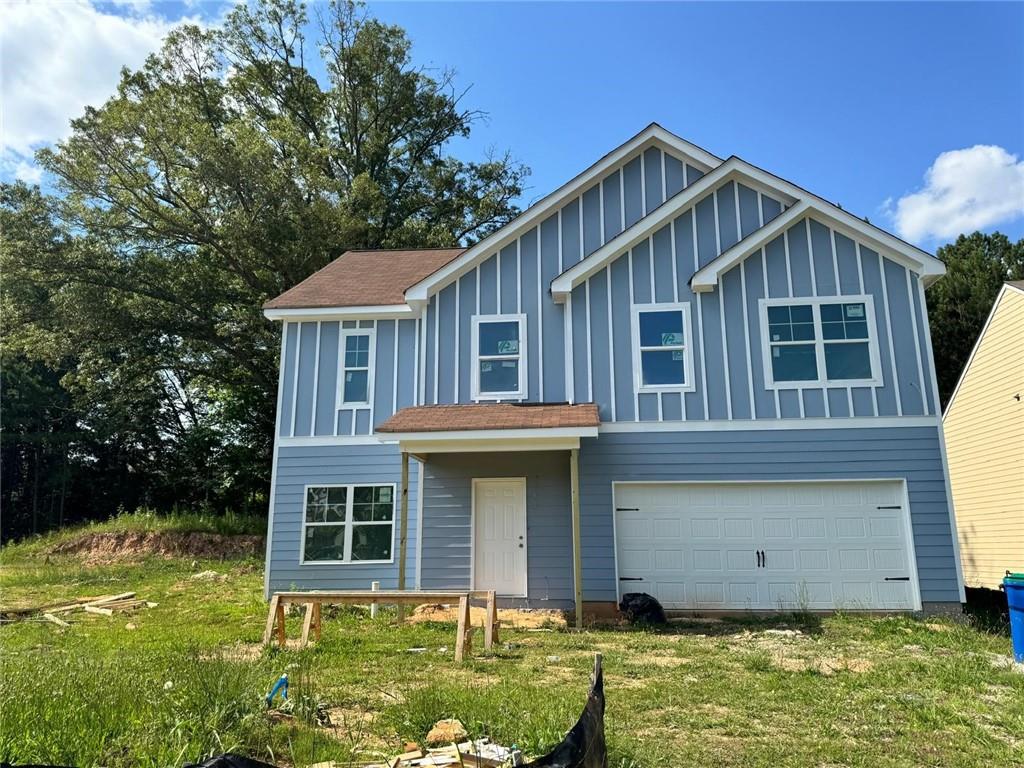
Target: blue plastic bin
{"x": 1013, "y": 585}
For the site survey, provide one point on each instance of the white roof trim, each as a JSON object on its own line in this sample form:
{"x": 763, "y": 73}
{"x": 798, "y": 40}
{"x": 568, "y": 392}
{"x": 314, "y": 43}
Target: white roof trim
{"x": 652, "y": 135}
{"x": 477, "y": 440}
{"x": 930, "y": 268}
{"x": 736, "y": 169}
{"x": 380, "y": 312}
{"x": 977, "y": 344}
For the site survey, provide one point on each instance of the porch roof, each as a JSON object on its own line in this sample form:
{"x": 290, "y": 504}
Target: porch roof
{"x": 491, "y": 426}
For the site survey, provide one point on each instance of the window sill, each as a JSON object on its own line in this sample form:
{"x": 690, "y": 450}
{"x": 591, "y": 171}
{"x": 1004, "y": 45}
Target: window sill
{"x": 494, "y": 396}
{"x": 347, "y": 562}
{"x": 666, "y": 388}
{"x": 830, "y": 384}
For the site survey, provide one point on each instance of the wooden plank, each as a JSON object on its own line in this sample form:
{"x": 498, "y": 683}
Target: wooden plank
{"x": 54, "y": 620}
{"x": 489, "y": 620}
{"x": 384, "y": 596}
{"x": 460, "y": 636}
{"x": 316, "y": 619}
{"x": 281, "y": 640}
{"x": 307, "y": 624}
{"x": 577, "y": 553}
{"x": 97, "y": 609}
{"x": 271, "y": 616}
{"x": 403, "y": 536}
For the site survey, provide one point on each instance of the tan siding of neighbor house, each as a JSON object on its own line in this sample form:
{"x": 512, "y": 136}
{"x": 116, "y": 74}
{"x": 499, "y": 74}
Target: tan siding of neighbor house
{"x": 984, "y": 427}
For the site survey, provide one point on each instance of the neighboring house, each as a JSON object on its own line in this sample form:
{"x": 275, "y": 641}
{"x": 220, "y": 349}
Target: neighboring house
{"x": 674, "y": 374}
{"x": 984, "y": 426}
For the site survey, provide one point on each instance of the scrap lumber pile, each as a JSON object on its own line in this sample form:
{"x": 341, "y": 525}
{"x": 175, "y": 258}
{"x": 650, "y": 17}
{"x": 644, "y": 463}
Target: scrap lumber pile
{"x": 105, "y": 605}
{"x": 480, "y": 753}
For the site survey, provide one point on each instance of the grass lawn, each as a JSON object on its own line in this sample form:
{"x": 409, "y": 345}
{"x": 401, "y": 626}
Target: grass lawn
{"x": 185, "y": 679}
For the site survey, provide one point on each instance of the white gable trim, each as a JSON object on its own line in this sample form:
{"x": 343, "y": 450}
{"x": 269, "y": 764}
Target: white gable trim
{"x": 653, "y": 135}
{"x": 977, "y": 344}
{"x": 735, "y": 169}
{"x": 929, "y": 267}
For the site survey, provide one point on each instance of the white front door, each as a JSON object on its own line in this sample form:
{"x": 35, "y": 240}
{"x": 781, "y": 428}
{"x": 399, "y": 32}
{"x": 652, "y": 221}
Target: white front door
{"x": 774, "y": 546}
{"x": 499, "y": 536}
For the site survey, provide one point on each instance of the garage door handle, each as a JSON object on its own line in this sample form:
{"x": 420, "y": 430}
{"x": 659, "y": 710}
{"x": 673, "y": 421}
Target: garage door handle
{"x": 897, "y": 578}
{"x": 630, "y": 578}
{"x": 895, "y": 506}
{"x": 627, "y": 509}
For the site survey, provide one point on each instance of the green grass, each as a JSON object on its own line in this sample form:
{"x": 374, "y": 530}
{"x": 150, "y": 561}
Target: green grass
{"x": 186, "y": 680}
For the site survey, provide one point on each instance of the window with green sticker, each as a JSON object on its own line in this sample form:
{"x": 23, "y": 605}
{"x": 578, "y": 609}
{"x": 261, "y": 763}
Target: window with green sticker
{"x": 499, "y": 343}
{"x": 662, "y": 353}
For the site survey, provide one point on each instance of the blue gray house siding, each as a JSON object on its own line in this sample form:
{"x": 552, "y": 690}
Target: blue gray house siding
{"x": 299, "y": 466}
{"x": 910, "y": 453}
{"x": 448, "y": 520}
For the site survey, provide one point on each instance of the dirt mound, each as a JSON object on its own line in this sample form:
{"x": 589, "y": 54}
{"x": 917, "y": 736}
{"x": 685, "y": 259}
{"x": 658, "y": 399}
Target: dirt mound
{"x": 134, "y": 545}
{"x": 511, "y": 618}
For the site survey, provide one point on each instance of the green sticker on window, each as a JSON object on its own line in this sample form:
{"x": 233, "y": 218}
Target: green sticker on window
{"x": 671, "y": 339}
{"x": 508, "y": 347}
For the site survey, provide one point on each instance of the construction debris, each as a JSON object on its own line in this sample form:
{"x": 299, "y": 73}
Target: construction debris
{"x": 447, "y": 732}
{"x": 105, "y": 605}
{"x": 480, "y": 753}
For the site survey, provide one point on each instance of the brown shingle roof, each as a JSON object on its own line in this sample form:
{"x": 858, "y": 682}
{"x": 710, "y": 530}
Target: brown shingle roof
{"x": 474, "y": 416}
{"x": 364, "y": 279}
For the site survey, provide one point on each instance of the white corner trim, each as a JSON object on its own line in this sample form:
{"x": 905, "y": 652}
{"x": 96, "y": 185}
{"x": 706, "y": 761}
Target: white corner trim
{"x": 653, "y": 135}
{"x": 267, "y": 561}
{"x": 374, "y": 312}
{"x": 974, "y": 350}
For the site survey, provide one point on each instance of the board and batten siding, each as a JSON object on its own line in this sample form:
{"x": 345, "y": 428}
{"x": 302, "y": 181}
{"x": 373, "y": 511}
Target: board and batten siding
{"x": 301, "y": 466}
{"x": 448, "y": 520}
{"x": 902, "y": 453}
{"x": 808, "y": 260}
{"x": 984, "y": 427}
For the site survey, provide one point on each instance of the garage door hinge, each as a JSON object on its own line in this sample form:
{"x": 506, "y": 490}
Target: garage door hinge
{"x": 627, "y": 509}
{"x": 894, "y": 506}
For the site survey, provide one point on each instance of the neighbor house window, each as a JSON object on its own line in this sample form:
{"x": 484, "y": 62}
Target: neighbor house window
{"x": 814, "y": 342}
{"x": 356, "y": 367}
{"x": 348, "y": 524}
{"x": 499, "y": 349}
{"x": 662, "y": 353}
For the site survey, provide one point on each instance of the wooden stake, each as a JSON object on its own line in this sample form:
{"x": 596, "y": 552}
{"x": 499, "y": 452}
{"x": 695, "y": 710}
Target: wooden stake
{"x": 490, "y": 621}
{"x": 281, "y": 640}
{"x": 316, "y": 619}
{"x": 271, "y": 618}
{"x": 461, "y": 632}
{"x": 403, "y": 540}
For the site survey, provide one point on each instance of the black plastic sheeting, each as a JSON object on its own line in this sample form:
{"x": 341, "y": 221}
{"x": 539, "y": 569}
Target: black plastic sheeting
{"x": 641, "y": 608}
{"x": 583, "y": 747}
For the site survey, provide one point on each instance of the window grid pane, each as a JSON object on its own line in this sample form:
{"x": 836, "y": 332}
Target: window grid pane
{"x": 844, "y": 345}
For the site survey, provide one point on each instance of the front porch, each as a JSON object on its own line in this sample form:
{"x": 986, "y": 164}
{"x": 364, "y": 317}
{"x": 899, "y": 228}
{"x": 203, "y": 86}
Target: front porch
{"x": 500, "y": 499}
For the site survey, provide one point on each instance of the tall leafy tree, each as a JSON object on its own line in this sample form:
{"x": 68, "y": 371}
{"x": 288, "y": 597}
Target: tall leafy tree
{"x": 977, "y": 265}
{"x": 232, "y": 165}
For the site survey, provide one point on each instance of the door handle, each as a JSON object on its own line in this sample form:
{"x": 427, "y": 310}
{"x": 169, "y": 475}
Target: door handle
{"x": 757, "y": 554}
{"x": 630, "y": 578}
{"x": 764, "y": 559}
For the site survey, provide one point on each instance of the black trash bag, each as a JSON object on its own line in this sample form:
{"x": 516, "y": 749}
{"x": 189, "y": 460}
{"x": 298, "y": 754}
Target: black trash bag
{"x": 583, "y": 746}
{"x": 229, "y": 761}
{"x": 641, "y": 608}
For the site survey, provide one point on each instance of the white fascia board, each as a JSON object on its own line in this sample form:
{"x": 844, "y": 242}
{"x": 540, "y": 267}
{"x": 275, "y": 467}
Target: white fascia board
{"x": 563, "y": 284}
{"x": 706, "y": 279}
{"x": 377, "y": 312}
{"x": 489, "y": 434}
{"x": 977, "y": 343}
{"x": 653, "y": 135}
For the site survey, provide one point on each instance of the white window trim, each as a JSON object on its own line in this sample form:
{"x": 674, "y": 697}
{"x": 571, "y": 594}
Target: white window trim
{"x": 876, "y": 379}
{"x": 349, "y": 497}
{"x": 689, "y": 384}
{"x": 340, "y": 404}
{"x": 518, "y": 394}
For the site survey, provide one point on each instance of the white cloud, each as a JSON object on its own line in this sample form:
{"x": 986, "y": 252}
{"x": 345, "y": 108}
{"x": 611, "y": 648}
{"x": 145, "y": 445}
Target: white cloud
{"x": 964, "y": 190}
{"x": 27, "y": 171}
{"x": 59, "y": 57}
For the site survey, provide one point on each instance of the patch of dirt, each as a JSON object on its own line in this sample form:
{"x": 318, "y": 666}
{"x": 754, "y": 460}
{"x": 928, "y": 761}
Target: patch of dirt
{"x": 509, "y": 618}
{"x": 102, "y": 548}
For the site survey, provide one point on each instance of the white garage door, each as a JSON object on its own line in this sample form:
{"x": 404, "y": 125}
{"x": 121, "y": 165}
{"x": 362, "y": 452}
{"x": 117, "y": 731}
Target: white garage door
{"x": 766, "y": 546}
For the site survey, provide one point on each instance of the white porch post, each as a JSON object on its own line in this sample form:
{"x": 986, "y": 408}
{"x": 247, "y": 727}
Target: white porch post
{"x": 577, "y": 556}
{"x": 403, "y": 541}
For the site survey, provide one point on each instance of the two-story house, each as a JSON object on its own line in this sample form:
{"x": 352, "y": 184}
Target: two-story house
{"x": 675, "y": 374}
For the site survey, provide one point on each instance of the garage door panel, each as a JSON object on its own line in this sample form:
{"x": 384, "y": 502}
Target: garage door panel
{"x": 825, "y": 545}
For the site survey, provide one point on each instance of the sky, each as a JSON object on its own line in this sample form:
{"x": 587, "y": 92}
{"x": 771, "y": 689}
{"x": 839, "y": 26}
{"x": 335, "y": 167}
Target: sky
{"x": 909, "y": 114}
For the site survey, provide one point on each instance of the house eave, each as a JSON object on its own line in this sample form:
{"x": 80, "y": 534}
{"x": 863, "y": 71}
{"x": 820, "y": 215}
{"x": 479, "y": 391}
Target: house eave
{"x": 369, "y": 312}
{"x": 489, "y": 440}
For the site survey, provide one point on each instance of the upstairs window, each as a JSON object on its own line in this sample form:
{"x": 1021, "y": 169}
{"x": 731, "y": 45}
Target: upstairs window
{"x": 499, "y": 349}
{"x": 348, "y": 524}
{"x": 815, "y": 342}
{"x": 662, "y": 352}
{"x": 356, "y": 367}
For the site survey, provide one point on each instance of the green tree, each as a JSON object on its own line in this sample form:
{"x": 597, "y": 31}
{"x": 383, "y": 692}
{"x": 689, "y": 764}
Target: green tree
{"x": 231, "y": 166}
{"x": 977, "y": 265}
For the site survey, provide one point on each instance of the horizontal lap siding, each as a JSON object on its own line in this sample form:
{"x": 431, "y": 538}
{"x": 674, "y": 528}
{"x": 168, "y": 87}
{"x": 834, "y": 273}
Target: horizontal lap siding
{"x": 808, "y": 260}
{"x": 298, "y": 467}
{"x": 447, "y": 520}
{"x": 910, "y": 453}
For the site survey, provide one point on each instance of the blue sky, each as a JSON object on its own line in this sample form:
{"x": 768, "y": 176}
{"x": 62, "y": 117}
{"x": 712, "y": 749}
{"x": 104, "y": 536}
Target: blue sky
{"x": 855, "y": 102}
